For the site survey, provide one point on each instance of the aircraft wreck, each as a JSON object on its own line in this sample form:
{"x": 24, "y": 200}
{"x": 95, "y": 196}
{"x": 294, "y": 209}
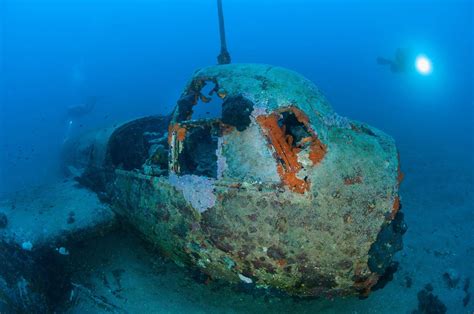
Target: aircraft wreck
{"x": 274, "y": 190}
{"x": 252, "y": 180}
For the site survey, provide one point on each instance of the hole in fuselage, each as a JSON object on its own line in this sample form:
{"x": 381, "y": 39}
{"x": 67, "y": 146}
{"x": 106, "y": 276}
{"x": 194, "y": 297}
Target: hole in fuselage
{"x": 198, "y": 156}
{"x": 202, "y": 102}
{"x": 202, "y": 116}
{"x": 295, "y": 131}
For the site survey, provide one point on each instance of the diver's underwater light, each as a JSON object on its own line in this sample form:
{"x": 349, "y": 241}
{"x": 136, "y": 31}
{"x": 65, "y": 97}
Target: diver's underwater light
{"x": 423, "y": 65}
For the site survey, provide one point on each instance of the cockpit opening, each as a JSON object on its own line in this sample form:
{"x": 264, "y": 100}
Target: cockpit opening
{"x": 209, "y": 104}
{"x": 202, "y": 102}
{"x": 198, "y": 156}
{"x": 141, "y": 145}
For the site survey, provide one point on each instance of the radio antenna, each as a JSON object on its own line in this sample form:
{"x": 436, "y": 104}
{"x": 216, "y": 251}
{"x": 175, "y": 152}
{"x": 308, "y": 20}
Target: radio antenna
{"x": 224, "y": 56}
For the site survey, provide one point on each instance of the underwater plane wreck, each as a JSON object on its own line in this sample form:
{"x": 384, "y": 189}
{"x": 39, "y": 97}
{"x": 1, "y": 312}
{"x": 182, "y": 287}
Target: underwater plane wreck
{"x": 278, "y": 192}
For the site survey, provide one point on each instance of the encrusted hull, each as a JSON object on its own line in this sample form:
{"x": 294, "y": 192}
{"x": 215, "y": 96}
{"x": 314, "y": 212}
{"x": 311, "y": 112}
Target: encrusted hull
{"x": 278, "y": 191}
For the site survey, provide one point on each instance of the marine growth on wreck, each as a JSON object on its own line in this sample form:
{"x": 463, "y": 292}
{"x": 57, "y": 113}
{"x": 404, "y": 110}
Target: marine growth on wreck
{"x": 269, "y": 187}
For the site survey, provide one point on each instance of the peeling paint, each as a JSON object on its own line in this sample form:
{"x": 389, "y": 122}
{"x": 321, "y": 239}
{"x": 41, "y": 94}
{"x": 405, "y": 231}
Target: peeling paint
{"x": 258, "y": 111}
{"x": 197, "y": 190}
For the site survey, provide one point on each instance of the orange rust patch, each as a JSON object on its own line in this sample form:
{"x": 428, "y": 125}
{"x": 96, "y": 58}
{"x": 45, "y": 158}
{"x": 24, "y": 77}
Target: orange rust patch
{"x": 289, "y": 166}
{"x": 400, "y": 176}
{"x": 287, "y": 151}
{"x": 317, "y": 152}
{"x": 179, "y": 130}
{"x": 395, "y": 207}
{"x": 290, "y": 179}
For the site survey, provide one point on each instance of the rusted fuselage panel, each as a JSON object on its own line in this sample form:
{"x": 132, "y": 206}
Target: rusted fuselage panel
{"x": 276, "y": 191}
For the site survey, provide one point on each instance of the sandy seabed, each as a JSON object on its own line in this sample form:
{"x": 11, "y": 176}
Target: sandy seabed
{"x": 118, "y": 273}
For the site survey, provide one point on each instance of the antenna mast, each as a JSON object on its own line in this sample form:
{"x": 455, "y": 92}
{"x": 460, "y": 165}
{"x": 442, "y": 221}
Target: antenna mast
{"x": 224, "y": 56}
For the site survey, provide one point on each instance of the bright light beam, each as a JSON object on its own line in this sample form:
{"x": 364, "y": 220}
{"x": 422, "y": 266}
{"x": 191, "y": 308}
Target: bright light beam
{"x": 423, "y": 65}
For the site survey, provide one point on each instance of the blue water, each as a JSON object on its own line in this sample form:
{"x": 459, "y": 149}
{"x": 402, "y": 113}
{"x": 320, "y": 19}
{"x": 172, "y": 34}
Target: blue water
{"x": 136, "y": 56}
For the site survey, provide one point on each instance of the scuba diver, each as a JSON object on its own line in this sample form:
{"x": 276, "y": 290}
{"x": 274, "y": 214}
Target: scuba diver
{"x": 77, "y": 111}
{"x": 397, "y": 65}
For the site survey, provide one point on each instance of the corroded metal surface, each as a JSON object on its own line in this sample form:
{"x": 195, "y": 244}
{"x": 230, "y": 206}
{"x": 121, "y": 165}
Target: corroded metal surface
{"x": 277, "y": 191}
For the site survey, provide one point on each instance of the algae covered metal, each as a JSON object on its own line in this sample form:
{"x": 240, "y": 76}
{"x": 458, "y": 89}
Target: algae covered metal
{"x": 254, "y": 179}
